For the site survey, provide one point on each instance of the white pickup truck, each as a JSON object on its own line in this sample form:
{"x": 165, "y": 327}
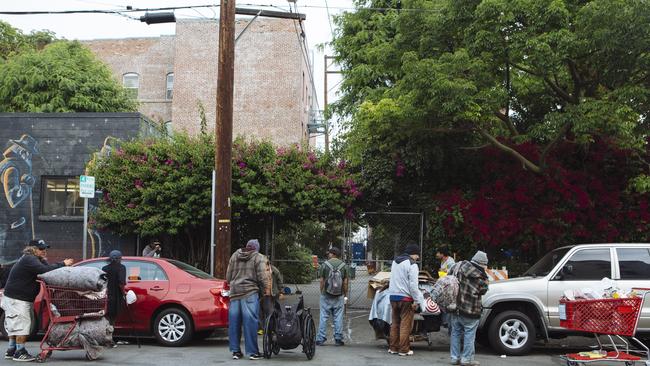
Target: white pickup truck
{"x": 519, "y": 311}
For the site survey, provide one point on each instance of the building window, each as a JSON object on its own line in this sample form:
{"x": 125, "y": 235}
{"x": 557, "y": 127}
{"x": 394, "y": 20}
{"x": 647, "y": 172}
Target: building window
{"x": 60, "y": 197}
{"x": 131, "y": 82}
{"x": 170, "y": 85}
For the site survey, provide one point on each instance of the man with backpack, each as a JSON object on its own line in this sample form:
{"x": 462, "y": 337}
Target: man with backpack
{"x": 472, "y": 285}
{"x": 333, "y": 287}
{"x": 405, "y": 297}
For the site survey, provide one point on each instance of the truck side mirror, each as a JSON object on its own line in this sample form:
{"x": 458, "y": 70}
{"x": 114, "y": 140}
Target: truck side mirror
{"x": 567, "y": 270}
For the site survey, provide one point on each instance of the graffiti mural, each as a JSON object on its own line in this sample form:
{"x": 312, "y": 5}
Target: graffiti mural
{"x": 16, "y": 202}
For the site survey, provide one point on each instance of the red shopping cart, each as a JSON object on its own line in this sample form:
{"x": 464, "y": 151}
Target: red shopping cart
{"x": 65, "y": 307}
{"x": 616, "y": 318}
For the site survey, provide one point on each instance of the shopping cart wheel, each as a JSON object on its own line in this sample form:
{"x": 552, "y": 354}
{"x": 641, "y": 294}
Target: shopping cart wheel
{"x": 629, "y": 363}
{"x": 43, "y": 356}
{"x": 571, "y": 363}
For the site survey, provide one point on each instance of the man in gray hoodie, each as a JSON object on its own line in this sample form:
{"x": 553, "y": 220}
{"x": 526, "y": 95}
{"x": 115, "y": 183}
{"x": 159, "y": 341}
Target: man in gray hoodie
{"x": 405, "y": 297}
{"x": 248, "y": 277}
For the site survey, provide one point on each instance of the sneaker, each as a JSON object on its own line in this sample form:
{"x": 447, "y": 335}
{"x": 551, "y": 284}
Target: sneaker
{"x": 237, "y": 355}
{"x": 255, "y": 356}
{"x": 470, "y": 363}
{"x": 392, "y": 352}
{"x": 23, "y": 356}
{"x": 320, "y": 343}
{"x": 409, "y": 353}
{"x": 339, "y": 342}
{"x": 10, "y": 353}
{"x": 455, "y": 362}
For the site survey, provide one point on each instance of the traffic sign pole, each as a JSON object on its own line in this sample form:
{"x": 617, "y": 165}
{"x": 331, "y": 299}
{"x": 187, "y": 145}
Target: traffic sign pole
{"x": 86, "y": 190}
{"x": 85, "y": 240}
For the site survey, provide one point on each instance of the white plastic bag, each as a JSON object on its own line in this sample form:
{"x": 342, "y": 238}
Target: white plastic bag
{"x": 130, "y": 297}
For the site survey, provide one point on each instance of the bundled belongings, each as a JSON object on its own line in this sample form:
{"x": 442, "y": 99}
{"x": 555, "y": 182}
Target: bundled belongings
{"x": 90, "y": 334}
{"x": 79, "y": 278}
{"x": 75, "y": 298}
{"x": 445, "y": 292}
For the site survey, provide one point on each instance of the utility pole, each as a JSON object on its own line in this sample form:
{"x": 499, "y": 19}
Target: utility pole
{"x": 223, "y": 128}
{"x": 326, "y": 120}
{"x": 223, "y": 135}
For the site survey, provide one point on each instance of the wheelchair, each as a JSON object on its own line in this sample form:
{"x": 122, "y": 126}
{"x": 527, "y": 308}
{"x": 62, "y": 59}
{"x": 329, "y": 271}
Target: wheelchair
{"x": 276, "y": 338}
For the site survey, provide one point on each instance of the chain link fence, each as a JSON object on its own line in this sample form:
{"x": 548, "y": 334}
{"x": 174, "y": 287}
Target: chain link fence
{"x": 371, "y": 245}
{"x": 368, "y": 246}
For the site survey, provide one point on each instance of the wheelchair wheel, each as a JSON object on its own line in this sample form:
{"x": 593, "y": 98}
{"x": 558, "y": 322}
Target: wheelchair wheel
{"x": 309, "y": 337}
{"x": 269, "y": 340}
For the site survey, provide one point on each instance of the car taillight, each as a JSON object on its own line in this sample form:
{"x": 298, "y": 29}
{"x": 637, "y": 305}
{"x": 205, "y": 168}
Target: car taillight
{"x": 218, "y": 291}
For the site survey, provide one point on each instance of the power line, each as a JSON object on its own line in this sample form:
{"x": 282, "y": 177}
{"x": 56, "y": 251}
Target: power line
{"x": 329, "y": 18}
{"x": 98, "y": 11}
{"x": 136, "y": 10}
{"x": 303, "y": 49}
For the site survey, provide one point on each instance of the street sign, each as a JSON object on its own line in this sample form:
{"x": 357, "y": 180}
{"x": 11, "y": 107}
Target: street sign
{"x": 86, "y": 186}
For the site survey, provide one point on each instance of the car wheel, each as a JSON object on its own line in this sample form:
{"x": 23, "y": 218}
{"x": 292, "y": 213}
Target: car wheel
{"x": 512, "y": 333}
{"x": 173, "y": 327}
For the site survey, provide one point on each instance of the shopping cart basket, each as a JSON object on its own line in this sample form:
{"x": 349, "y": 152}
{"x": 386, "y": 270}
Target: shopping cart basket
{"x": 610, "y": 317}
{"x": 65, "y": 307}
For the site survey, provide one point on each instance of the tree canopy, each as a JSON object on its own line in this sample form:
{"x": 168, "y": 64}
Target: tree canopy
{"x": 500, "y": 71}
{"x": 446, "y": 103}
{"x": 13, "y": 41}
{"x": 62, "y": 77}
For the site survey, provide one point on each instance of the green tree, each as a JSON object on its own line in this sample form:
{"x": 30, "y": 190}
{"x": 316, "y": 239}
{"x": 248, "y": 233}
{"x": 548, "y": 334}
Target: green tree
{"x": 419, "y": 85}
{"x": 13, "y": 41}
{"x": 63, "y": 77}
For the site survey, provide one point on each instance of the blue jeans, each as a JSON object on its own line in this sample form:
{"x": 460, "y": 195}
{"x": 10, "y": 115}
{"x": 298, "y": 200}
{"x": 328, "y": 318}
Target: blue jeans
{"x": 331, "y": 306}
{"x": 244, "y": 311}
{"x": 462, "y": 326}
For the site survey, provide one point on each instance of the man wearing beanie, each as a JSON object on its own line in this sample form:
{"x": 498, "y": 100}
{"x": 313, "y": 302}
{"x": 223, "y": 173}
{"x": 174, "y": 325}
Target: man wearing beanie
{"x": 473, "y": 284}
{"x": 405, "y": 297}
{"x": 248, "y": 277}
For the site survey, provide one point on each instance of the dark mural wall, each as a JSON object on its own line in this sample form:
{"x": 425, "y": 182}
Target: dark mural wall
{"x": 40, "y": 145}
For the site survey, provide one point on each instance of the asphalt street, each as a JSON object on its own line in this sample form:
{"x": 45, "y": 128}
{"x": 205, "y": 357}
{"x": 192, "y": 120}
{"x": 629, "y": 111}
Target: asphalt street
{"x": 361, "y": 349}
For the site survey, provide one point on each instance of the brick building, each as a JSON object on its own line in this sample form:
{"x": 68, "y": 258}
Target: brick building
{"x": 174, "y": 77}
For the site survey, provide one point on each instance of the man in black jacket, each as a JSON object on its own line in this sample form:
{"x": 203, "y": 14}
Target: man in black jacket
{"x": 19, "y": 293}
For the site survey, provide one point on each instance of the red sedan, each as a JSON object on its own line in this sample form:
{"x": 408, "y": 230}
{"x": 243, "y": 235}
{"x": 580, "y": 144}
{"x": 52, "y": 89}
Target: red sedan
{"x": 175, "y": 301}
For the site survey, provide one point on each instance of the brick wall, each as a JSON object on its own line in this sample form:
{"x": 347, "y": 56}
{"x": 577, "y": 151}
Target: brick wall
{"x": 152, "y": 59}
{"x": 272, "y": 91}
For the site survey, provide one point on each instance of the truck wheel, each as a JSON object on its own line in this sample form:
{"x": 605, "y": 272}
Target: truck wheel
{"x": 512, "y": 333}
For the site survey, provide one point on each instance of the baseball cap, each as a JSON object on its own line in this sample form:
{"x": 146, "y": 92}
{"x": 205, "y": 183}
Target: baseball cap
{"x": 38, "y": 243}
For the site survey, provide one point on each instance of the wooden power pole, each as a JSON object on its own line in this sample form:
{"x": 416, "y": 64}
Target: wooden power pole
{"x": 223, "y": 135}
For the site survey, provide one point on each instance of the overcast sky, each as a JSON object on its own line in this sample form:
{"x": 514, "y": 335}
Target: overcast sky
{"x": 92, "y": 26}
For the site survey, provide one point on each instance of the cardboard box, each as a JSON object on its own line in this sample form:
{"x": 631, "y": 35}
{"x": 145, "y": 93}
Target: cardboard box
{"x": 379, "y": 280}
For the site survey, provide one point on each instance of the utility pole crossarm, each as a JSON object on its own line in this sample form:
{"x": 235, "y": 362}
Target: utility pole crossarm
{"x": 270, "y": 13}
